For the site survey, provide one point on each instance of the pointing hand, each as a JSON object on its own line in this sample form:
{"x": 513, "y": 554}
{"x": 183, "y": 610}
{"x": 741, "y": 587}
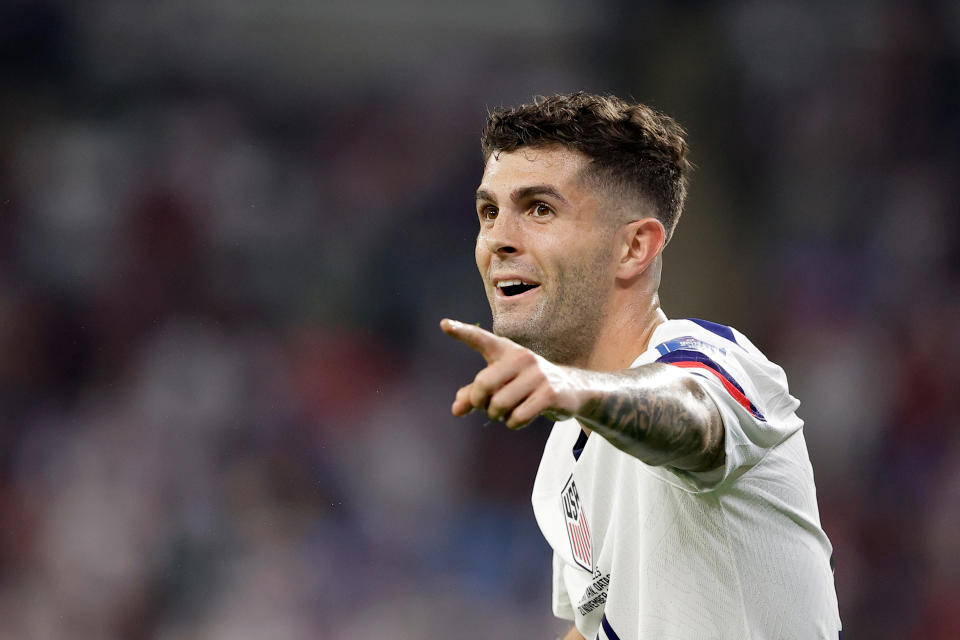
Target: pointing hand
{"x": 517, "y": 385}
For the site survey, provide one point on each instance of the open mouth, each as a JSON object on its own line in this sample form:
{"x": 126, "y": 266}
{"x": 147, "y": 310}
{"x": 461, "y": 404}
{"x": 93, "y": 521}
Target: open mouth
{"x": 515, "y": 287}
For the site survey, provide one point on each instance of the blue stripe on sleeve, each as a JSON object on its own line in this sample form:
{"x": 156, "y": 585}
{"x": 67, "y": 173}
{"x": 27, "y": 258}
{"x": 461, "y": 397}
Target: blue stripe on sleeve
{"x": 689, "y": 355}
{"x": 721, "y": 330}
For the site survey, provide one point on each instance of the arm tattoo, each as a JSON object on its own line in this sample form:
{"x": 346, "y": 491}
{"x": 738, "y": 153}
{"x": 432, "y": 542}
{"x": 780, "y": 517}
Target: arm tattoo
{"x": 657, "y": 415}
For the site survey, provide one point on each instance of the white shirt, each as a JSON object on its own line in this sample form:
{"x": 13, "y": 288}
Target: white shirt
{"x": 660, "y": 553}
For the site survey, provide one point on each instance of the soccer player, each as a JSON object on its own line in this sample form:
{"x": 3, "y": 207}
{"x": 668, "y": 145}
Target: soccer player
{"x": 675, "y": 488}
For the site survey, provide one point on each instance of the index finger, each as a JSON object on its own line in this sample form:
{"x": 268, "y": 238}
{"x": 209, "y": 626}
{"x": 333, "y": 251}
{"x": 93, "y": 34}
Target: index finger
{"x": 489, "y": 345}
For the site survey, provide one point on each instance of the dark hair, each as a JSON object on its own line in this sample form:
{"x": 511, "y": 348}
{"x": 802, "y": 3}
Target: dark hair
{"x": 631, "y": 147}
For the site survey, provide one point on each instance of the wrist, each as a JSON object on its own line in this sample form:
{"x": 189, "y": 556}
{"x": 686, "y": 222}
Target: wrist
{"x": 584, "y": 391}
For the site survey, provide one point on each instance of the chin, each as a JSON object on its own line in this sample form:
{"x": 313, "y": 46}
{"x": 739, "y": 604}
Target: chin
{"x": 567, "y": 348}
{"x": 524, "y": 335}
{"x": 519, "y": 332}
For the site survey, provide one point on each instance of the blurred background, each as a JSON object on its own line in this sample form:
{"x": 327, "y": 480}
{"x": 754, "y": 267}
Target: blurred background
{"x": 228, "y": 230}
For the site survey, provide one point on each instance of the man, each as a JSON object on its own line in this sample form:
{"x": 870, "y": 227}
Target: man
{"x": 676, "y": 490}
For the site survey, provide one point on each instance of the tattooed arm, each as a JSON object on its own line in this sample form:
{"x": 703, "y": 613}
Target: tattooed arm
{"x": 653, "y": 412}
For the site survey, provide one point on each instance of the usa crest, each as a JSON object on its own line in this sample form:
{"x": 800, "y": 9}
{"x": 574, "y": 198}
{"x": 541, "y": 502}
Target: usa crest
{"x": 577, "y": 529}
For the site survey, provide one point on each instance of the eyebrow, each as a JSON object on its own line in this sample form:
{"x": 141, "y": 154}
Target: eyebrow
{"x": 523, "y": 193}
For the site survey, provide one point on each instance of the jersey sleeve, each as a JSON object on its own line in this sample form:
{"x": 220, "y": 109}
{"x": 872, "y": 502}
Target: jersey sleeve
{"x": 561, "y": 599}
{"x": 751, "y": 395}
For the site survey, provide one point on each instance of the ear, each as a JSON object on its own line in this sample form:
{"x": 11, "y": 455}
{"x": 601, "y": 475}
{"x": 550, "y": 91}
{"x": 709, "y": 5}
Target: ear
{"x": 643, "y": 241}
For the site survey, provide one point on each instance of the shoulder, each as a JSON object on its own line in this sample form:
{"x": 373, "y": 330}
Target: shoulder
{"x": 676, "y": 339}
{"x": 705, "y": 333}
{"x": 728, "y": 357}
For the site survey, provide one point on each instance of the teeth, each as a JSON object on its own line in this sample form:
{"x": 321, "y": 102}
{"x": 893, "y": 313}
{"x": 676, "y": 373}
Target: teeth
{"x": 509, "y": 283}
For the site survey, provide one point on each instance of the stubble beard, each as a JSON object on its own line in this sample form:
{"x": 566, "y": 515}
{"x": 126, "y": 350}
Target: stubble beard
{"x": 564, "y": 327}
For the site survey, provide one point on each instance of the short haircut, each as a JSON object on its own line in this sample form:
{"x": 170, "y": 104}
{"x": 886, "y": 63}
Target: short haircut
{"x": 633, "y": 149}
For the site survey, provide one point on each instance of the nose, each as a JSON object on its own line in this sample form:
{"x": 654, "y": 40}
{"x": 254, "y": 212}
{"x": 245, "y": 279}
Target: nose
{"x": 502, "y": 238}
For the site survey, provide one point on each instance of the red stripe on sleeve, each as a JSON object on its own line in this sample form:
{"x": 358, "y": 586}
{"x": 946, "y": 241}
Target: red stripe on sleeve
{"x": 732, "y": 390}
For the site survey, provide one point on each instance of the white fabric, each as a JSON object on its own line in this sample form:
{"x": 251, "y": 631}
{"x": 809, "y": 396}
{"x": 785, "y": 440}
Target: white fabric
{"x": 737, "y": 553}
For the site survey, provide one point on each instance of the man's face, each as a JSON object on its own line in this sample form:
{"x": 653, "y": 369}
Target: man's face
{"x": 544, "y": 251}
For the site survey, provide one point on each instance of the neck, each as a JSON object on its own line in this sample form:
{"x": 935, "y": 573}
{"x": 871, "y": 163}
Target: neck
{"x": 625, "y": 336}
{"x": 622, "y": 342}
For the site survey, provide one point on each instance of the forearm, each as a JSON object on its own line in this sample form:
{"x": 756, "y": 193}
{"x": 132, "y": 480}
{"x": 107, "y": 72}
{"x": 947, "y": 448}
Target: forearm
{"x": 656, "y": 414}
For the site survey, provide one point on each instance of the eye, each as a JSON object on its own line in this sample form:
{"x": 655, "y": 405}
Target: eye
{"x": 541, "y": 210}
{"x": 488, "y": 212}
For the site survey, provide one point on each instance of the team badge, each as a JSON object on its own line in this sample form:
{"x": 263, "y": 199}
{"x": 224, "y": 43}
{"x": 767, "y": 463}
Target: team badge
{"x": 577, "y": 529}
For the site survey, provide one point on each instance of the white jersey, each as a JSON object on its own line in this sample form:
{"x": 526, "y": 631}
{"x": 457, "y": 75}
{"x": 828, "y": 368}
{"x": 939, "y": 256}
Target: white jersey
{"x": 660, "y": 553}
